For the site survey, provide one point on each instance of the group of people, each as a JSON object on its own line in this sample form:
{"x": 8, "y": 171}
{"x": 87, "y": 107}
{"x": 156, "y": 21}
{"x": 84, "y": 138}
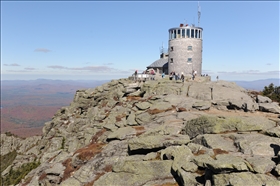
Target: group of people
{"x": 176, "y": 76}
{"x": 151, "y": 72}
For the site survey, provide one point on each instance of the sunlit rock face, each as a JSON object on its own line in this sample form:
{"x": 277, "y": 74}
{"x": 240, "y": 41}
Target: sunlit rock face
{"x": 158, "y": 132}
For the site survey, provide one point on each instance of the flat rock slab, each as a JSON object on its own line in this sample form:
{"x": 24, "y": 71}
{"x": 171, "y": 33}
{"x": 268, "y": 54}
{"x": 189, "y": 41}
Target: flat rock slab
{"x": 157, "y": 141}
{"x": 242, "y": 178}
{"x": 122, "y": 133}
{"x": 275, "y": 132}
{"x": 56, "y": 169}
{"x": 188, "y": 178}
{"x": 136, "y": 173}
{"x": 270, "y": 107}
{"x": 208, "y": 124}
{"x": 227, "y": 162}
{"x": 202, "y": 105}
{"x": 217, "y": 141}
{"x": 200, "y": 91}
{"x": 261, "y": 164}
{"x": 257, "y": 144}
{"x": 143, "y": 105}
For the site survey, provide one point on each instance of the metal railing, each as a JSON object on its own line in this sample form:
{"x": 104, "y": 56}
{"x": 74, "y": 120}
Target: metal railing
{"x": 142, "y": 77}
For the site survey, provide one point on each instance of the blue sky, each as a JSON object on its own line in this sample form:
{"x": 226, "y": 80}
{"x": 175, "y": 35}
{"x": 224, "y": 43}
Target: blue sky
{"x": 109, "y": 40}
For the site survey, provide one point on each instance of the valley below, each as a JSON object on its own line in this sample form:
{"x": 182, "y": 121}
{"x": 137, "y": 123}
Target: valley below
{"x": 27, "y": 105}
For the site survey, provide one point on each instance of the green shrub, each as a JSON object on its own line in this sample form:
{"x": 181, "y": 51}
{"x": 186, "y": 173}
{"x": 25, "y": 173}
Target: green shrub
{"x": 7, "y": 160}
{"x": 15, "y": 176}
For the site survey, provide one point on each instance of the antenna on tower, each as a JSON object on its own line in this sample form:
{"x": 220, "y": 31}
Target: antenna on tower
{"x": 161, "y": 49}
{"x": 198, "y": 13}
{"x": 193, "y": 21}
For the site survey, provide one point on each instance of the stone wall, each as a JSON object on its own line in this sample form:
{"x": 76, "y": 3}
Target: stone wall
{"x": 180, "y": 55}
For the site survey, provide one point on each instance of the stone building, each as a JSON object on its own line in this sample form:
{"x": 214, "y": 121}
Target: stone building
{"x": 184, "y": 51}
{"x": 160, "y": 65}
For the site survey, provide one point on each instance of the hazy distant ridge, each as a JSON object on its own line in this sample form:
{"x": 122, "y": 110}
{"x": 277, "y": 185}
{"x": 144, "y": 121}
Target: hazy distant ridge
{"x": 258, "y": 84}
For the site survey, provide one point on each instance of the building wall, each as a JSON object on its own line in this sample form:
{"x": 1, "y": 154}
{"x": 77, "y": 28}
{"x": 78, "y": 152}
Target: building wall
{"x": 180, "y": 54}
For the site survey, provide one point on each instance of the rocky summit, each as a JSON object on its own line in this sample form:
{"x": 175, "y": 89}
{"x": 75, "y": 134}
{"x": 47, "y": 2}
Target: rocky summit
{"x": 153, "y": 133}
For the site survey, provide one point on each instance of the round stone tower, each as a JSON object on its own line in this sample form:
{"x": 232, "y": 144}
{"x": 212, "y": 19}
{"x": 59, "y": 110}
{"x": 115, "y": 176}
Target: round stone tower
{"x": 185, "y": 49}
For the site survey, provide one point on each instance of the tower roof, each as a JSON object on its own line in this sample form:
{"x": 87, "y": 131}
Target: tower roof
{"x": 185, "y": 26}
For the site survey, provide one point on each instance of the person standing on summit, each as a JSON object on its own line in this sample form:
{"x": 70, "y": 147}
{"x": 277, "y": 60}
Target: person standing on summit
{"x": 135, "y": 75}
{"x": 182, "y": 77}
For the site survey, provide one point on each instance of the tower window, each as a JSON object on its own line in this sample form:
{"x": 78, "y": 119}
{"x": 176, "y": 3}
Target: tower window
{"x": 183, "y": 33}
{"x": 189, "y": 60}
{"x": 192, "y": 33}
{"x": 171, "y": 48}
{"x": 188, "y": 33}
{"x": 171, "y": 60}
{"x": 189, "y": 47}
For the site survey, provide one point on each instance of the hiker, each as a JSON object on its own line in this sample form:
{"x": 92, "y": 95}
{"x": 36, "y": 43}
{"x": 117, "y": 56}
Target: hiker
{"x": 178, "y": 76}
{"x": 135, "y": 75}
{"x": 170, "y": 76}
{"x": 163, "y": 75}
{"x": 182, "y": 77}
{"x": 153, "y": 74}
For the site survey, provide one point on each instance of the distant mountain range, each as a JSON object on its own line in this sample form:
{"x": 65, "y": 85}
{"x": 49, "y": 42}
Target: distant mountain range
{"x": 27, "y": 104}
{"x": 257, "y": 84}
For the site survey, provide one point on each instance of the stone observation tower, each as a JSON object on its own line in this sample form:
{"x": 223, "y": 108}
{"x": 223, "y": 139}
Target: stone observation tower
{"x": 185, "y": 49}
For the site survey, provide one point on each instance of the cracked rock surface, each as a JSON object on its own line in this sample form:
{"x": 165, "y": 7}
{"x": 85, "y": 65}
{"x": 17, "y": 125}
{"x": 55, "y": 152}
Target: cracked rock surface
{"x": 155, "y": 133}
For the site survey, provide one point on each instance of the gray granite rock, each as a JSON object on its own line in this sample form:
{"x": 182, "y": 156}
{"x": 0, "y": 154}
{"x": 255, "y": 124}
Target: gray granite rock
{"x": 122, "y": 133}
{"x": 261, "y": 164}
{"x": 270, "y": 107}
{"x": 263, "y": 99}
{"x": 244, "y": 177}
{"x": 157, "y": 141}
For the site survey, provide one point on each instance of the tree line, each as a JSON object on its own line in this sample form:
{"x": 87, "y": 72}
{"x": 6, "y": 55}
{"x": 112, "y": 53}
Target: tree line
{"x": 271, "y": 91}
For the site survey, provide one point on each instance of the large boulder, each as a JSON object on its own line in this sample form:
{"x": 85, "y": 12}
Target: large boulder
{"x": 127, "y": 173}
{"x": 213, "y": 125}
{"x": 261, "y": 164}
{"x": 255, "y": 144}
{"x": 263, "y": 99}
{"x": 156, "y": 141}
{"x": 227, "y": 162}
{"x": 216, "y": 141}
{"x": 270, "y": 107}
{"x": 122, "y": 133}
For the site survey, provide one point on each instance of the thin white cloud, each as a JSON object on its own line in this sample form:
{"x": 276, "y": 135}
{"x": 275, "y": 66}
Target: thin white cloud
{"x": 42, "y": 50}
{"x": 18, "y": 71}
{"x": 96, "y": 69}
{"x": 108, "y": 63}
{"x": 13, "y": 64}
{"x": 57, "y": 67}
{"x": 29, "y": 68}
